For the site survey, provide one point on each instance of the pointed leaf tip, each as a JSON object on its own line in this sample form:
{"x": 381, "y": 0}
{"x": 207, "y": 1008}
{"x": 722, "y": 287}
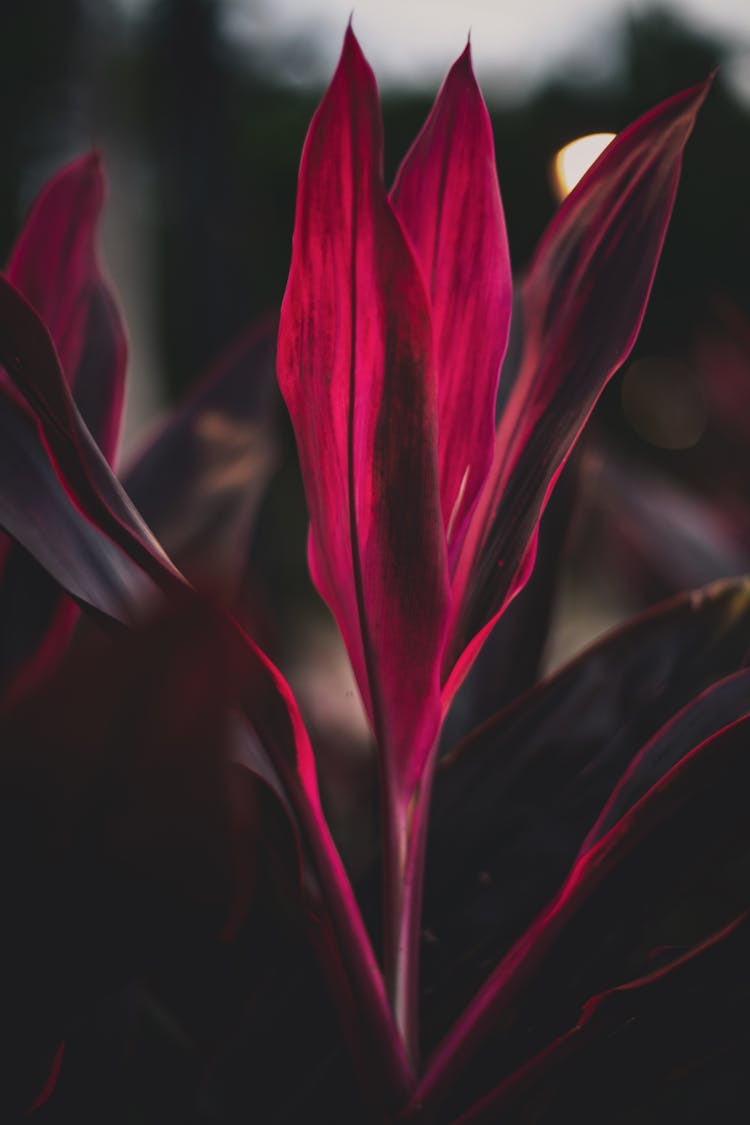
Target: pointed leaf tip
{"x": 356, "y": 340}
{"x": 584, "y": 299}
{"x": 447, "y": 197}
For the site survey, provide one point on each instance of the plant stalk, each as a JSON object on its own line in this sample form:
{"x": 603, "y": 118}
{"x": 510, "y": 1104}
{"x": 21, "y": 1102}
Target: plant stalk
{"x": 405, "y": 840}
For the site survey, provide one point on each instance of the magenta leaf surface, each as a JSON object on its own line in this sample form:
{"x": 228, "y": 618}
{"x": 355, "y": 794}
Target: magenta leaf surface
{"x": 54, "y": 264}
{"x": 447, "y": 197}
{"x": 583, "y": 302}
{"x": 29, "y": 357}
{"x": 356, "y": 368}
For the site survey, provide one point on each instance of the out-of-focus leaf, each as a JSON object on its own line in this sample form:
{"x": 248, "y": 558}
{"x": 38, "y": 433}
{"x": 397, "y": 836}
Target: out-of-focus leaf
{"x": 54, "y": 264}
{"x": 672, "y": 540}
{"x": 721, "y": 351}
{"x": 36, "y": 509}
{"x": 583, "y": 303}
{"x": 356, "y": 368}
{"x": 199, "y": 479}
{"x": 29, "y": 357}
{"x": 447, "y": 197}
{"x": 126, "y": 828}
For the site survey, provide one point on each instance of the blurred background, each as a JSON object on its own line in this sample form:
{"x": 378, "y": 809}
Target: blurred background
{"x": 201, "y": 107}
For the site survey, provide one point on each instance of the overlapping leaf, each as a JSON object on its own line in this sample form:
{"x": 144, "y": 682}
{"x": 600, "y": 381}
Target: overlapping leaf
{"x": 59, "y": 436}
{"x": 447, "y": 197}
{"x": 514, "y": 803}
{"x": 622, "y": 879}
{"x": 198, "y": 480}
{"x": 54, "y": 264}
{"x": 662, "y": 1047}
{"x": 125, "y": 827}
{"x": 356, "y": 368}
{"x": 583, "y": 303}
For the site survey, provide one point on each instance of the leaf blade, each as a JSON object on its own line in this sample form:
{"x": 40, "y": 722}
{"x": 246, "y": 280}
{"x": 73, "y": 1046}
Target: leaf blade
{"x": 447, "y": 197}
{"x": 356, "y": 369}
{"x": 599, "y": 253}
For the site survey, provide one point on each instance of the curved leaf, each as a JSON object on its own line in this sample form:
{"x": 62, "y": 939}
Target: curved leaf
{"x": 514, "y": 802}
{"x": 356, "y": 369}
{"x": 29, "y": 357}
{"x": 198, "y": 480}
{"x": 37, "y": 511}
{"x": 517, "y": 801}
{"x": 338, "y": 931}
{"x": 54, "y": 264}
{"x": 694, "y": 811}
{"x": 658, "y": 1047}
{"x": 125, "y": 828}
{"x": 447, "y": 197}
{"x": 583, "y": 302}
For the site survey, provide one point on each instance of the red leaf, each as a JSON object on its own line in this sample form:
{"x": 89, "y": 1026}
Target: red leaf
{"x": 447, "y": 197}
{"x": 54, "y": 264}
{"x": 699, "y": 746}
{"x": 29, "y": 356}
{"x": 49, "y": 1086}
{"x": 338, "y": 931}
{"x": 37, "y": 512}
{"x": 705, "y": 969}
{"x": 356, "y": 369}
{"x": 583, "y": 303}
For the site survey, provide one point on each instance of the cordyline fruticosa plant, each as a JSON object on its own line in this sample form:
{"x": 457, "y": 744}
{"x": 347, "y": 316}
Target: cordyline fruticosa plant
{"x": 583, "y": 912}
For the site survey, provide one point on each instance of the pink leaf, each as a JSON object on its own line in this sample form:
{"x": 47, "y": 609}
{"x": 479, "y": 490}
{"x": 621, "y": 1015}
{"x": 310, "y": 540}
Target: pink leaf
{"x": 54, "y": 264}
{"x": 356, "y": 368}
{"x": 583, "y": 303}
{"x": 29, "y": 356}
{"x": 447, "y": 197}
{"x": 338, "y": 930}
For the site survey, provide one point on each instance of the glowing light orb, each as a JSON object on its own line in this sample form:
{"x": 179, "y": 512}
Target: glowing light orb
{"x": 575, "y": 159}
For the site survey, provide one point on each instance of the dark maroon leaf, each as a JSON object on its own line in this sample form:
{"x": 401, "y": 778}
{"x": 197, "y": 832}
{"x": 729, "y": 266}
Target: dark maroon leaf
{"x": 28, "y": 355}
{"x": 54, "y": 264}
{"x": 198, "y": 481}
{"x": 665, "y": 537}
{"x": 514, "y": 803}
{"x": 335, "y": 924}
{"x": 127, "y": 830}
{"x": 669, "y": 1046}
{"x": 671, "y": 872}
{"x": 36, "y": 509}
